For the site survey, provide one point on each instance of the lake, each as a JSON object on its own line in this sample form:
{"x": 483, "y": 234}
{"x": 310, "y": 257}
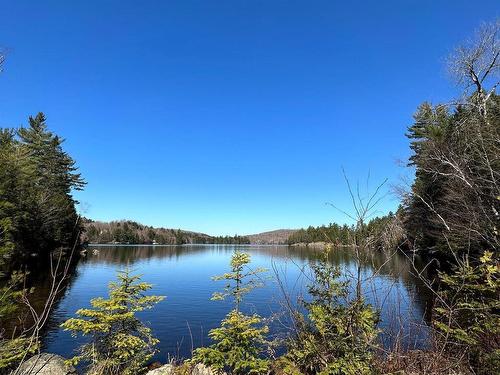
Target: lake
{"x": 183, "y": 274}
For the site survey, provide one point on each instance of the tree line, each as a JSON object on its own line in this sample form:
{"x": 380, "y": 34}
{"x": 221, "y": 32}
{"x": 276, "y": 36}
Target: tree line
{"x": 384, "y": 232}
{"x": 131, "y": 232}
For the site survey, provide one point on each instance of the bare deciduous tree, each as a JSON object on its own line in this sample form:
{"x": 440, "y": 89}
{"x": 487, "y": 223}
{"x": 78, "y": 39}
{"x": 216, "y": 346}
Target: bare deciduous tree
{"x": 476, "y": 63}
{"x": 457, "y": 154}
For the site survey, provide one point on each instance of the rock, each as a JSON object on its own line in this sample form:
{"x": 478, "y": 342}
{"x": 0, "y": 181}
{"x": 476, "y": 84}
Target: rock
{"x": 163, "y": 370}
{"x": 154, "y": 365}
{"x": 317, "y": 245}
{"x": 312, "y": 245}
{"x": 46, "y": 364}
{"x": 201, "y": 369}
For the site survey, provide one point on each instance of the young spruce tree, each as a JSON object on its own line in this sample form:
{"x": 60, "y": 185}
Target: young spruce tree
{"x": 337, "y": 336}
{"x": 467, "y": 312}
{"x": 120, "y": 343}
{"x": 239, "y": 340}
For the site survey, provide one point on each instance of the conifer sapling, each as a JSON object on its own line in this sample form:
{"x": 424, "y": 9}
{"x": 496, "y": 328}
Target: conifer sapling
{"x": 120, "y": 343}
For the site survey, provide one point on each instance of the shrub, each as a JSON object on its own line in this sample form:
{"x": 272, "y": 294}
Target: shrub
{"x": 15, "y": 348}
{"x": 338, "y": 333}
{"x": 467, "y": 312}
{"x": 120, "y": 343}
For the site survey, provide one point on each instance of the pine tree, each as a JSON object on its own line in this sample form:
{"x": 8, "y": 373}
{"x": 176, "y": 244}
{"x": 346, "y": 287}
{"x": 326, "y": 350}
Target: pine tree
{"x": 37, "y": 209}
{"x": 427, "y": 135}
{"x": 53, "y": 177}
{"x": 8, "y": 172}
{"x": 120, "y": 343}
{"x": 453, "y": 207}
{"x": 238, "y": 342}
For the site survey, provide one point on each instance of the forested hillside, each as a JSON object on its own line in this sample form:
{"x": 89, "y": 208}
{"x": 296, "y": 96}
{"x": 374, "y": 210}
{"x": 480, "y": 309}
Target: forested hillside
{"x": 275, "y": 237}
{"x": 131, "y": 232}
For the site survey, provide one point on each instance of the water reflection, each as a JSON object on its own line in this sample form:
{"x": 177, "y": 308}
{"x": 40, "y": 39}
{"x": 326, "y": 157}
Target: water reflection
{"x": 183, "y": 274}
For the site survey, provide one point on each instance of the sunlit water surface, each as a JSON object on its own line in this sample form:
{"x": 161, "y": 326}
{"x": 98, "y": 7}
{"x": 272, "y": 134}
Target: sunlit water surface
{"x": 183, "y": 274}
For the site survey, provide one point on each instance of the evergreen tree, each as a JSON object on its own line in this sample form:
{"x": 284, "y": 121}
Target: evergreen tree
{"x": 37, "y": 210}
{"x": 37, "y": 215}
{"x": 453, "y": 207}
{"x": 55, "y": 176}
{"x": 238, "y": 342}
{"x": 338, "y": 334}
{"x": 119, "y": 342}
{"x": 8, "y": 173}
{"x": 426, "y": 135}
{"x": 14, "y": 349}
{"x": 467, "y": 312}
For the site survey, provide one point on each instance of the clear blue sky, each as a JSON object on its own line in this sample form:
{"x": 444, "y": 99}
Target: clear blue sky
{"x": 229, "y": 116}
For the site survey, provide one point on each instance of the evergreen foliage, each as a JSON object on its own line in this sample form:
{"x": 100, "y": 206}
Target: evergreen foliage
{"x": 37, "y": 210}
{"x": 375, "y": 232}
{"x": 454, "y": 206}
{"x": 13, "y": 349}
{"x": 332, "y": 233}
{"x": 337, "y": 337}
{"x": 229, "y": 240}
{"x": 239, "y": 341}
{"x": 452, "y": 211}
{"x": 37, "y": 215}
{"x": 119, "y": 342}
{"x": 467, "y": 312}
{"x": 131, "y": 232}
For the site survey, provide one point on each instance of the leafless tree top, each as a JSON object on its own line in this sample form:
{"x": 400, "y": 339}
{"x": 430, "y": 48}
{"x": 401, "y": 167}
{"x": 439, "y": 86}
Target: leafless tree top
{"x": 476, "y": 63}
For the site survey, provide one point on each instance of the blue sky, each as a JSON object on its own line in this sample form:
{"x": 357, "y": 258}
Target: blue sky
{"x": 230, "y": 116}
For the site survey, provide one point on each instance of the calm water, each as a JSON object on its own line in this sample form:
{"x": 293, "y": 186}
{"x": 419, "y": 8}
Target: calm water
{"x": 183, "y": 274}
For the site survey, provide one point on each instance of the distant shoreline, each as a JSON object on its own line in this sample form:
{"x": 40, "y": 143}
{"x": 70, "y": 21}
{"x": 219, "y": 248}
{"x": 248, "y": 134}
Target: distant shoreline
{"x": 185, "y": 244}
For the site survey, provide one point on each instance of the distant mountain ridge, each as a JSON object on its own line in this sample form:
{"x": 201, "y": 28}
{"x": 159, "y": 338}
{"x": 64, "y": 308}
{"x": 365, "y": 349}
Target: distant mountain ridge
{"x": 274, "y": 237}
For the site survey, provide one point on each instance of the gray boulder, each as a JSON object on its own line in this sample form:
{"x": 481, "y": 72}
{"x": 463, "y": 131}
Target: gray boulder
{"x": 163, "y": 370}
{"x": 201, "y": 369}
{"x": 46, "y": 364}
